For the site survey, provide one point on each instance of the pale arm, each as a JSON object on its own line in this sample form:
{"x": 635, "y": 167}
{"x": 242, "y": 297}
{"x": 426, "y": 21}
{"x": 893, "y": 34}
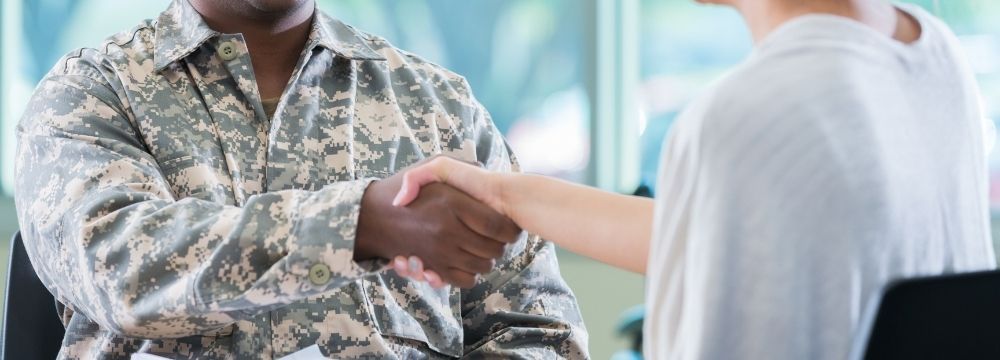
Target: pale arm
{"x": 611, "y": 228}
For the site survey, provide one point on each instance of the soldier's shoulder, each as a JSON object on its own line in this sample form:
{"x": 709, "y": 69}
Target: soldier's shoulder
{"x": 402, "y": 61}
{"x": 116, "y": 52}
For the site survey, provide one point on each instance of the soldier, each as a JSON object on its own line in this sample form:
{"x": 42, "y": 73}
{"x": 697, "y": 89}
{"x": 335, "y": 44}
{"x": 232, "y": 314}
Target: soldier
{"x": 207, "y": 185}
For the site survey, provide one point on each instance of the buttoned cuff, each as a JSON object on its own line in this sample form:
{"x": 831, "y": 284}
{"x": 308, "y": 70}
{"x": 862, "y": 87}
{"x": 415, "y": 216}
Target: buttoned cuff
{"x": 321, "y": 245}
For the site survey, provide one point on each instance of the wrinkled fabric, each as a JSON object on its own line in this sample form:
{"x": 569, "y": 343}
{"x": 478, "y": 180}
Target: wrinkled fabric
{"x": 170, "y": 215}
{"x": 832, "y": 163}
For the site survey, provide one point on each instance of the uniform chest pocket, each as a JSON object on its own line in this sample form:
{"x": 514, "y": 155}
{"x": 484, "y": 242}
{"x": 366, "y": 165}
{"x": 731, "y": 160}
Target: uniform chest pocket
{"x": 414, "y": 310}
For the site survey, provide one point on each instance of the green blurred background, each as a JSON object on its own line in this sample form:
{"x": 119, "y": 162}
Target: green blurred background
{"x": 583, "y": 89}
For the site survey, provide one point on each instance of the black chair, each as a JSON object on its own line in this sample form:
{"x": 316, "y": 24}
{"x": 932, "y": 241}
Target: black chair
{"x": 942, "y": 317}
{"x": 31, "y": 326}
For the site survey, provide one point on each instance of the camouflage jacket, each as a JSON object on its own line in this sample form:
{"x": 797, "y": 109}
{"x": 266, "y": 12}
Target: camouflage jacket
{"x": 171, "y": 216}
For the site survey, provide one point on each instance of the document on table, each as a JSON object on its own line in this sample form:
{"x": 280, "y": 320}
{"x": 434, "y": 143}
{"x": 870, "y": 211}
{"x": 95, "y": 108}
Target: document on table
{"x": 309, "y": 353}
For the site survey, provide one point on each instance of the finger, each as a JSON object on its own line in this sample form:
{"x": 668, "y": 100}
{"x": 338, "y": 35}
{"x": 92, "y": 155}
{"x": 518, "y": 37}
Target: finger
{"x": 474, "y": 264}
{"x": 401, "y": 266}
{"x": 461, "y": 278}
{"x": 416, "y": 178}
{"x": 487, "y": 222}
{"x": 468, "y": 178}
{"x": 434, "y": 280}
{"x": 481, "y": 246}
{"x": 416, "y": 268}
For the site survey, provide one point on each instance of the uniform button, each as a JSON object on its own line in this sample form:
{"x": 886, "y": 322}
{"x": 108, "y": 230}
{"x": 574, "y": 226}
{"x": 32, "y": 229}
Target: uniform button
{"x": 319, "y": 274}
{"x": 227, "y": 51}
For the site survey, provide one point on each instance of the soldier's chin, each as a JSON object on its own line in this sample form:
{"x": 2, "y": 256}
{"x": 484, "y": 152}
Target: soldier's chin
{"x": 277, "y": 6}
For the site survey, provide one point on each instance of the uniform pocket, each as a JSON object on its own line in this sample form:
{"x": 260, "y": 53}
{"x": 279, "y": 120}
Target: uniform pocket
{"x": 415, "y": 311}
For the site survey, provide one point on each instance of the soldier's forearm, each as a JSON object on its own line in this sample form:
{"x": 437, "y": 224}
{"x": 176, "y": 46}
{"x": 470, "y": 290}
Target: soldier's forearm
{"x": 156, "y": 268}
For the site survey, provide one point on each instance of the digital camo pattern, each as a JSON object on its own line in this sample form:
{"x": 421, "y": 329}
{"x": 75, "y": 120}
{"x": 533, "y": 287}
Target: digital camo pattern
{"x": 171, "y": 216}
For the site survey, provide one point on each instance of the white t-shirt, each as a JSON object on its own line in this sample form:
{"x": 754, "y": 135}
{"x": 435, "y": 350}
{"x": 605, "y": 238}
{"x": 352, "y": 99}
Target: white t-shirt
{"x": 832, "y": 162}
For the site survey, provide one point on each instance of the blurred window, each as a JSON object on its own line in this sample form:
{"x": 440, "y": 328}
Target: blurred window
{"x": 555, "y": 74}
{"x": 35, "y": 34}
{"x": 523, "y": 58}
{"x": 686, "y": 45}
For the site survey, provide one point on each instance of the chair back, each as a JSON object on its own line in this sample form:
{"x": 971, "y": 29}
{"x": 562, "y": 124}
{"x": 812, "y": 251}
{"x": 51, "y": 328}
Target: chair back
{"x": 941, "y": 317}
{"x": 31, "y": 326}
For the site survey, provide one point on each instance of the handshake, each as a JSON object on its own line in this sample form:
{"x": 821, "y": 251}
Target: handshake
{"x": 418, "y": 218}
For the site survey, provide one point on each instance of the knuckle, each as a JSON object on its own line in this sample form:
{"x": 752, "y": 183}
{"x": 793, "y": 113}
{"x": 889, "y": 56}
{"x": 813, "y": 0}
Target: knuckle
{"x": 442, "y": 197}
{"x": 435, "y": 229}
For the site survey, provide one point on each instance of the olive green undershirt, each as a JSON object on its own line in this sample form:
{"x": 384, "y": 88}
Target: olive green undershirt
{"x": 270, "y": 105}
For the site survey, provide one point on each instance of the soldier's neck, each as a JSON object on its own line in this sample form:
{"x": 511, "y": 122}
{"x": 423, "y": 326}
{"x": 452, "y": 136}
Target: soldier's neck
{"x": 275, "y": 40}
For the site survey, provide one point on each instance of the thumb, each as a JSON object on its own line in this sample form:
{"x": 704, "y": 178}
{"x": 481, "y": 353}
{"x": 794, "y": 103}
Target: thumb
{"x": 413, "y": 180}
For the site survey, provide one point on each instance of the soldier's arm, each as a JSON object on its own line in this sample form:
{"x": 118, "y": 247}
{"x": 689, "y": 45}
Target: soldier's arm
{"x": 523, "y": 309}
{"x": 108, "y": 238}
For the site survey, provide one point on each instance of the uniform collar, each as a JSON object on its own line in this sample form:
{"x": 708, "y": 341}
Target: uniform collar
{"x": 340, "y": 38}
{"x": 180, "y": 30}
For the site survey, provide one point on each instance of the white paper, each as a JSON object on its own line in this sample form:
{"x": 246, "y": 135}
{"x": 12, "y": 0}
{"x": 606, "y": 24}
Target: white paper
{"x": 309, "y": 353}
{"x": 147, "y": 357}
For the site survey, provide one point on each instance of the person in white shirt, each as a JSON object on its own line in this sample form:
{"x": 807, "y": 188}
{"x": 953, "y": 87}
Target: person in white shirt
{"x": 848, "y": 151}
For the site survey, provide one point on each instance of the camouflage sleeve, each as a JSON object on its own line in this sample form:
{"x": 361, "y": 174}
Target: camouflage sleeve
{"x": 108, "y": 238}
{"x": 524, "y": 309}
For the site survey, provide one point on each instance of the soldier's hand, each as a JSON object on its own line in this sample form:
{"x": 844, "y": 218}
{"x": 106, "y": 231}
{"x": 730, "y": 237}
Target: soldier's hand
{"x": 412, "y": 267}
{"x": 456, "y": 236}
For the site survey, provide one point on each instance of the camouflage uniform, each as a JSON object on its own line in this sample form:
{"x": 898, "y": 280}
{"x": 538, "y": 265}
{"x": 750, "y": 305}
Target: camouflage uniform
{"x": 171, "y": 216}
